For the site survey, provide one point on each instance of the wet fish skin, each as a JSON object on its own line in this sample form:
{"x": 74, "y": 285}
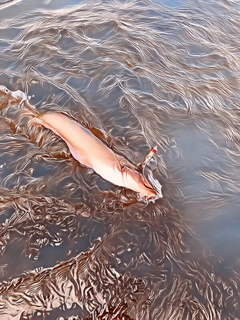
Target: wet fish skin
{"x": 93, "y": 153}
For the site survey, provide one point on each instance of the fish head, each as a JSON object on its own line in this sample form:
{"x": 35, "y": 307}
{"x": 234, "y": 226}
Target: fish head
{"x": 135, "y": 181}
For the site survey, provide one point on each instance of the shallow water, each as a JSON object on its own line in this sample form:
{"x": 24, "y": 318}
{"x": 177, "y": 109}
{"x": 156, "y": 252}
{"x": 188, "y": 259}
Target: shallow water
{"x": 139, "y": 74}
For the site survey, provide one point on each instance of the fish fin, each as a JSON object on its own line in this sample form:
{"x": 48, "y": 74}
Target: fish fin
{"x": 35, "y": 121}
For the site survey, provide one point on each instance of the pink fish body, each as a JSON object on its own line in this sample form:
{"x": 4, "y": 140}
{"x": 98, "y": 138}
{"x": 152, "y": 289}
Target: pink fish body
{"x": 91, "y": 152}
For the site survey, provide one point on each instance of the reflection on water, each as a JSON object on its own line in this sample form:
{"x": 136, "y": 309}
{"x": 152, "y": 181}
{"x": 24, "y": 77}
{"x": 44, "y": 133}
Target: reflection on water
{"x": 139, "y": 74}
{"x": 173, "y": 3}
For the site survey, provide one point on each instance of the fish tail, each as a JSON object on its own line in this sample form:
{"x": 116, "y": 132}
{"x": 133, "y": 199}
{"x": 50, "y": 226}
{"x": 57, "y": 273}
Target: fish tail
{"x": 35, "y": 121}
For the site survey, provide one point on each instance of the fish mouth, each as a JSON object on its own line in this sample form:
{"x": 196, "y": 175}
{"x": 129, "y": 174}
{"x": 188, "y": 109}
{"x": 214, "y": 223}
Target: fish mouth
{"x": 150, "y": 198}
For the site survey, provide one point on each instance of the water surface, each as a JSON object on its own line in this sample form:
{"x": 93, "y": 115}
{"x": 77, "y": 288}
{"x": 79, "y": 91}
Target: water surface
{"x": 139, "y": 74}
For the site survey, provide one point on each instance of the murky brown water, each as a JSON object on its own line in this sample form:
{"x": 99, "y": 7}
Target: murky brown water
{"x": 166, "y": 73}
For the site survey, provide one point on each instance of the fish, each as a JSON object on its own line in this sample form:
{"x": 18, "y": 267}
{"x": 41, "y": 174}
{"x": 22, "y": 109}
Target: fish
{"x": 90, "y": 151}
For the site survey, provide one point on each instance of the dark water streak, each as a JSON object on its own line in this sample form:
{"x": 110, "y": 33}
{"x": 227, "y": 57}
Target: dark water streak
{"x": 138, "y": 74}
